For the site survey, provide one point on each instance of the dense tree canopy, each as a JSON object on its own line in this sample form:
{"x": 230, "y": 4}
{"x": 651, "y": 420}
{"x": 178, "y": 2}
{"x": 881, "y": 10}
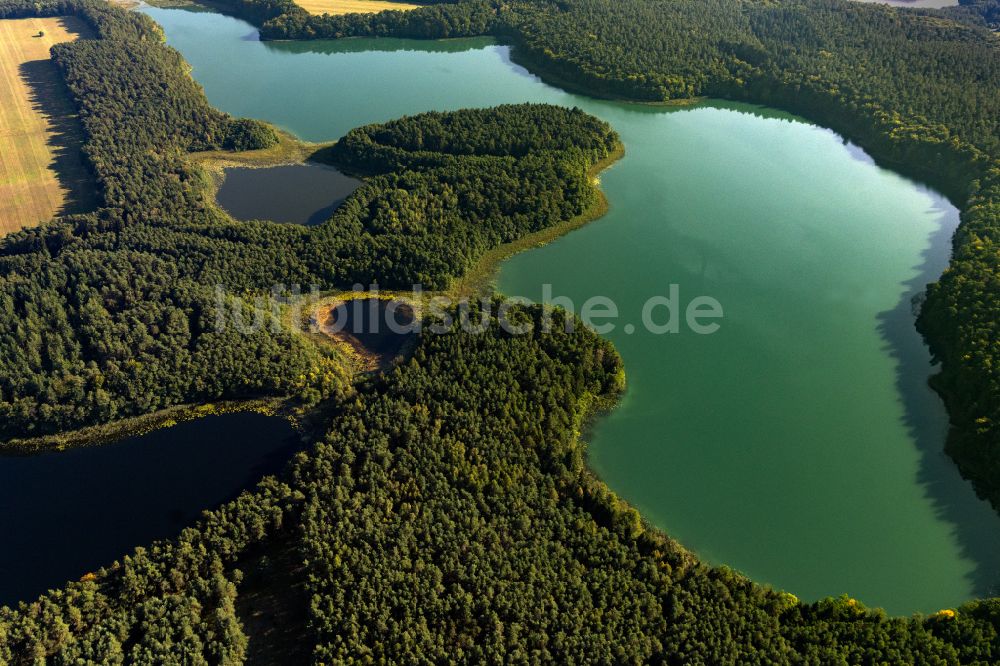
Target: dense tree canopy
{"x": 94, "y": 330}
{"x": 448, "y": 516}
{"x": 977, "y": 12}
{"x": 446, "y": 513}
{"x": 119, "y": 315}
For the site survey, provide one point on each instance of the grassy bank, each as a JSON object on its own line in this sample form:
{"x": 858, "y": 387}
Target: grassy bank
{"x": 289, "y": 150}
{"x": 141, "y": 425}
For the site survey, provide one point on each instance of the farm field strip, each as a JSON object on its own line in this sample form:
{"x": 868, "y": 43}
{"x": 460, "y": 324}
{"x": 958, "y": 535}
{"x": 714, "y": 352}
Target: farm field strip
{"x": 31, "y": 190}
{"x": 335, "y": 7}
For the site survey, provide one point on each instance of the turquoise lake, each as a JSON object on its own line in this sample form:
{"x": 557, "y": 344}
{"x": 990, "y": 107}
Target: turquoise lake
{"x": 799, "y": 443}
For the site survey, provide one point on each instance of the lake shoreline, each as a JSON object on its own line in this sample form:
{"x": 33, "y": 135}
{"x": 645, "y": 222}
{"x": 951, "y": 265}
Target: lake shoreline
{"x": 134, "y": 426}
{"x": 482, "y": 274}
{"x": 480, "y": 279}
{"x": 290, "y": 150}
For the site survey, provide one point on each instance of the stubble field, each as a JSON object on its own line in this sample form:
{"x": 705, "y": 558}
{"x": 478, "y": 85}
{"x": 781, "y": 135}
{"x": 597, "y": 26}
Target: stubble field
{"x": 41, "y": 169}
{"x": 334, "y": 7}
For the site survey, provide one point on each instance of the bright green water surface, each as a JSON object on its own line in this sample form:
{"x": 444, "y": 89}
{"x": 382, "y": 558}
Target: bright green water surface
{"x": 799, "y": 443}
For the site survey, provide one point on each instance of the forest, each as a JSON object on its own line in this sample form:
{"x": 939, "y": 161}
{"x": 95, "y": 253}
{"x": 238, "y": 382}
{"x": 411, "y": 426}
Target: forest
{"x": 446, "y": 513}
{"x": 977, "y": 12}
{"x": 118, "y": 316}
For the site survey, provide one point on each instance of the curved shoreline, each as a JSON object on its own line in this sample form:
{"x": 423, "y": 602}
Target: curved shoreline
{"x": 135, "y": 426}
{"x": 632, "y": 531}
{"x": 480, "y": 279}
{"x": 954, "y": 167}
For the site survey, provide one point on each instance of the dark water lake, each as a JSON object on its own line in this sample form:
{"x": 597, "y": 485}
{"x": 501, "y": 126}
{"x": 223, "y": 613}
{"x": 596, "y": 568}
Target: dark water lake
{"x": 294, "y": 193}
{"x": 378, "y": 326}
{"x": 65, "y": 513}
{"x": 799, "y": 444}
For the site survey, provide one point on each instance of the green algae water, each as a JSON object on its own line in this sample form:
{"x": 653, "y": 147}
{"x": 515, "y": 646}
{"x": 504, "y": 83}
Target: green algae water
{"x": 799, "y": 443}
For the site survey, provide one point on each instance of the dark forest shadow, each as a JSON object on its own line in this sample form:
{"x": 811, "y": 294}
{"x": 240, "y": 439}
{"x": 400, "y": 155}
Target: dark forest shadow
{"x": 974, "y": 523}
{"x": 50, "y": 98}
{"x": 377, "y": 44}
{"x": 324, "y": 214}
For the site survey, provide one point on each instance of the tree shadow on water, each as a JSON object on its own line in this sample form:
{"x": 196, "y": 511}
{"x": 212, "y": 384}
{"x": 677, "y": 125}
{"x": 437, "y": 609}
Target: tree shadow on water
{"x": 325, "y": 213}
{"x": 973, "y": 522}
{"x": 51, "y": 99}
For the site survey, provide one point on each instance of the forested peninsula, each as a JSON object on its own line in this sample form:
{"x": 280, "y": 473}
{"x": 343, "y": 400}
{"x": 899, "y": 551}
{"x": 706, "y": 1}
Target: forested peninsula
{"x": 446, "y": 512}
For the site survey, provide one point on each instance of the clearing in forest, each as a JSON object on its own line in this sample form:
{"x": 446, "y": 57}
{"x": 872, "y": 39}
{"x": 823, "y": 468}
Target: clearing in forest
{"x": 41, "y": 168}
{"x": 334, "y": 7}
